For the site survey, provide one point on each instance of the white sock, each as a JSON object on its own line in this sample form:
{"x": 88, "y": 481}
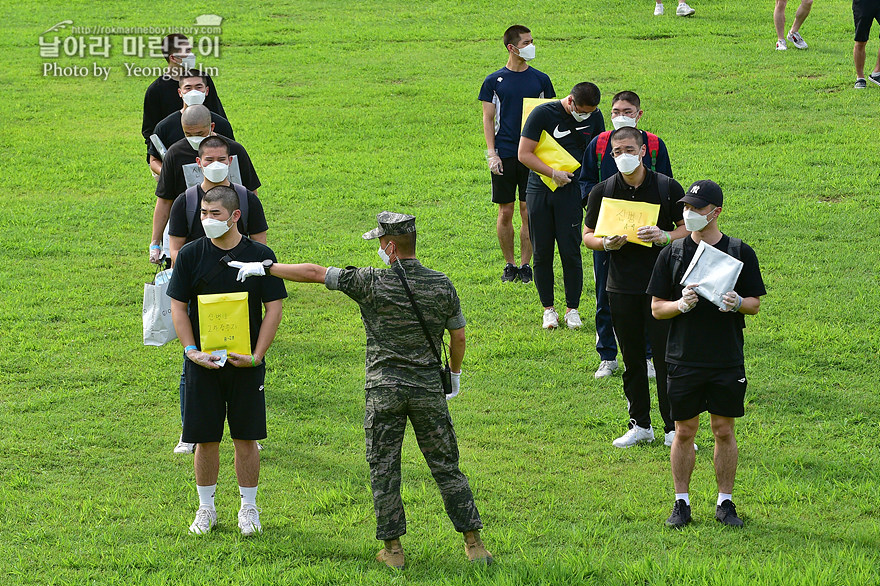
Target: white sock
{"x": 683, "y": 496}
{"x": 206, "y": 495}
{"x": 724, "y": 497}
{"x": 248, "y": 495}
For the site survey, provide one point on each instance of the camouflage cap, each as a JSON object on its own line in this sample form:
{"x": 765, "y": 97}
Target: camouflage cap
{"x": 392, "y": 224}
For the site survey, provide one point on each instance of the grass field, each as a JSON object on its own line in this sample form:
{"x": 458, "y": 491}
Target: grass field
{"x": 351, "y": 108}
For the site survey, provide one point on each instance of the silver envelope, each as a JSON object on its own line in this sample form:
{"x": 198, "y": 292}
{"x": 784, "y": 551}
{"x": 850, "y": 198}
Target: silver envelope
{"x": 714, "y": 272}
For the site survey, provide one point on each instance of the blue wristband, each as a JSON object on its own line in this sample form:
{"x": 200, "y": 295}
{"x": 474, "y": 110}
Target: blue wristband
{"x": 188, "y": 348}
{"x": 155, "y": 247}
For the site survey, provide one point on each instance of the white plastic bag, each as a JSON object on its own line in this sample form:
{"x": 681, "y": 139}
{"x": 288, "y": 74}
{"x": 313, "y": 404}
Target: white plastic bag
{"x": 158, "y": 325}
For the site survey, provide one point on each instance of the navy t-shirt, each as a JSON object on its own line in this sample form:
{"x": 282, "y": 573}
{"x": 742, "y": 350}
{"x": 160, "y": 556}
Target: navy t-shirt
{"x": 506, "y": 89}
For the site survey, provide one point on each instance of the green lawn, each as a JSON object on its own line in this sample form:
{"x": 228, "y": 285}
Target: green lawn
{"x": 351, "y": 108}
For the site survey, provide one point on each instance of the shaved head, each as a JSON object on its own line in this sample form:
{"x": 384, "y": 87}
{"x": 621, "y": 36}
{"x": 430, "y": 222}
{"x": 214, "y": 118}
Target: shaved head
{"x": 196, "y": 117}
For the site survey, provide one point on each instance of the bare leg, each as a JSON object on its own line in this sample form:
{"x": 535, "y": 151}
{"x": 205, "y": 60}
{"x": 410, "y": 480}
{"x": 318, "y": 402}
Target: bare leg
{"x": 779, "y": 19}
{"x": 525, "y": 244}
{"x": 859, "y": 59}
{"x": 247, "y": 462}
{"x": 801, "y": 15}
{"x": 504, "y": 228}
{"x": 207, "y": 463}
{"x": 726, "y": 452}
{"x": 682, "y": 454}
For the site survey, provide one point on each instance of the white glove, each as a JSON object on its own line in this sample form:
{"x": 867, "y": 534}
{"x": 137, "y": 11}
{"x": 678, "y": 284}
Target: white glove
{"x": 561, "y": 178}
{"x": 731, "y": 301}
{"x": 247, "y": 269}
{"x": 494, "y": 162}
{"x": 456, "y": 384}
{"x": 688, "y": 299}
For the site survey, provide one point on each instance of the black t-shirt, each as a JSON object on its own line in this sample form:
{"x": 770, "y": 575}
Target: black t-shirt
{"x": 705, "y": 336}
{"x": 161, "y": 99}
{"x": 172, "y": 182}
{"x": 198, "y": 259}
{"x": 179, "y": 224}
{"x": 571, "y": 135}
{"x": 170, "y": 131}
{"x": 629, "y": 268}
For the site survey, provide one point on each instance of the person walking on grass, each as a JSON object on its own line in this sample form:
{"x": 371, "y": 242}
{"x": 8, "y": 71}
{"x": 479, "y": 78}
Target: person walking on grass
{"x": 502, "y": 96}
{"x": 682, "y": 10}
{"x": 234, "y": 390}
{"x": 705, "y": 349}
{"x": 405, "y": 310}
{"x": 865, "y": 12}
{"x": 629, "y": 269}
{"x": 793, "y": 35}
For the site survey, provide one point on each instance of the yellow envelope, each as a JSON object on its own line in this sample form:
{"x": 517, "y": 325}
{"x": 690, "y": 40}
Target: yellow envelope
{"x": 618, "y": 217}
{"x": 548, "y": 150}
{"x": 224, "y": 323}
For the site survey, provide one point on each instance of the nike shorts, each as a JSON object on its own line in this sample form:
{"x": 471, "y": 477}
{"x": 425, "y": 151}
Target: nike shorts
{"x": 865, "y": 12}
{"x": 515, "y": 175}
{"x": 213, "y": 396}
{"x": 692, "y": 390}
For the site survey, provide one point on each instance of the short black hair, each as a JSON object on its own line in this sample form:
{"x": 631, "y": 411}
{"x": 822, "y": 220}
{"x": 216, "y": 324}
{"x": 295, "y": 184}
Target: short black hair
{"x": 513, "y": 34}
{"x": 625, "y": 133}
{"x": 193, "y": 73}
{"x": 586, "y": 94}
{"x": 223, "y": 195}
{"x": 406, "y": 243}
{"x": 626, "y": 96}
{"x": 171, "y": 44}
{"x": 211, "y": 142}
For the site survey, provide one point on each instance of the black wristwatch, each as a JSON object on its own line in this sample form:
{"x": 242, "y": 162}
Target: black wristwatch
{"x": 267, "y": 264}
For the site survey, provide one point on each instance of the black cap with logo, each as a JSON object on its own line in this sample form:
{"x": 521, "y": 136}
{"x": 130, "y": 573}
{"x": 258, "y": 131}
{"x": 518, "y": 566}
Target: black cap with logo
{"x": 703, "y": 193}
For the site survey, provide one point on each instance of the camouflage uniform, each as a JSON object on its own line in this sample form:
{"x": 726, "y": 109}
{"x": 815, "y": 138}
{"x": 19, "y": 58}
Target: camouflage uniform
{"x": 402, "y": 381}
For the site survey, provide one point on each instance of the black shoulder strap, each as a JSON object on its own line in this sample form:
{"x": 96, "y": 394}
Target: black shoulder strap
{"x": 734, "y": 249}
{"x": 418, "y": 311}
{"x": 677, "y": 253}
{"x": 192, "y": 206}
{"x": 608, "y": 190}
{"x": 241, "y": 190}
{"x": 221, "y": 265}
{"x": 663, "y": 188}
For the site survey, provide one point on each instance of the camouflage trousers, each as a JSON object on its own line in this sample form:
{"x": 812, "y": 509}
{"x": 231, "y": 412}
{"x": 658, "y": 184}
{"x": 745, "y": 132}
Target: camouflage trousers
{"x": 384, "y": 425}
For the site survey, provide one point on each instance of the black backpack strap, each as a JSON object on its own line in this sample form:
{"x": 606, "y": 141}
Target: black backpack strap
{"x": 242, "y": 192}
{"x": 221, "y": 265}
{"x": 735, "y": 248}
{"x": 608, "y": 190}
{"x": 192, "y": 206}
{"x": 665, "y": 202}
{"x": 677, "y": 253}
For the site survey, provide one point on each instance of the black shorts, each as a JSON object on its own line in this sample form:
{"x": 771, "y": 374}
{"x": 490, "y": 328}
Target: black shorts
{"x": 864, "y": 13}
{"x": 692, "y": 390}
{"x": 504, "y": 186}
{"x": 212, "y": 396}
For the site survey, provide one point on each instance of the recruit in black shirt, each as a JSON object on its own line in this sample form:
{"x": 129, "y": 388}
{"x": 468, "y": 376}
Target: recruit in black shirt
{"x": 198, "y": 259}
{"x": 705, "y": 336}
{"x": 179, "y": 224}
{"x": 161, "y": 99}
{"x": 169, "y": 130}
{"x": 630, "y": 267}
{"x": 172, "y": 181}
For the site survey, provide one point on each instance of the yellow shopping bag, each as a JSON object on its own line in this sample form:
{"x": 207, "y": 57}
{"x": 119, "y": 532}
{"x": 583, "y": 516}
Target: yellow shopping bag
{"x": 548, "y": 150}
{"x": 618, "y": 217}
{"x": 224, "y": 323}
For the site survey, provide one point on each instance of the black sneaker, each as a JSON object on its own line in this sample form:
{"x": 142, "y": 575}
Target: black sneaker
{"x": 726, "y": 513}
{"x": 860, "y": 84}
{"x": 525, "y": 273}
{"x": 874, "y": 77}
{"x": 510, "y": 273}
{"x": 681, "y": 515}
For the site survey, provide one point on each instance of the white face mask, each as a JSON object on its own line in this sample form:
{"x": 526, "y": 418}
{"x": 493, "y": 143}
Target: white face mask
{"x": 623, "y": 121}
{"x": 194, "y": 98}
{"x": 695, "y": 222}
{"x": 216, "y": 172}
{"x": 215, "y": 228}
{"x": 527, "y": 53}
{"x": 188, "y": 62}
{"x": 626, "y": 163}
{"x": 580, "y": 117}
{"x": 384, "y": 256}
{"x": 195, "y": 141}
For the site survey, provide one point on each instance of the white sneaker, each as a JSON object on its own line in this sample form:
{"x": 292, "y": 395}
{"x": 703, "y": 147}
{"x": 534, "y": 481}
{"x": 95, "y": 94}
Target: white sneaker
{"x": 551, "y": 319}
{"x": 684, "y": 10}
{"x": 651, "y": 372}
{"x": 667, "y": 440}
{"x": 634, "y": 436}
{"x": 183, "y": 447}
{"x": 658, "y": 10}
{"x": 206, "y": 518}
{"x": 249, "y": 520}
{"x": 606, "y": 368}
{"x": 797, "y": 40}
{"x": 573, "y": 319}
{"x": 781, "y": 46}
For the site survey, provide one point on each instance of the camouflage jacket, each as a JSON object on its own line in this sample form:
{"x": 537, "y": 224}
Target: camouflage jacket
{"x": 397, "y": 351}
